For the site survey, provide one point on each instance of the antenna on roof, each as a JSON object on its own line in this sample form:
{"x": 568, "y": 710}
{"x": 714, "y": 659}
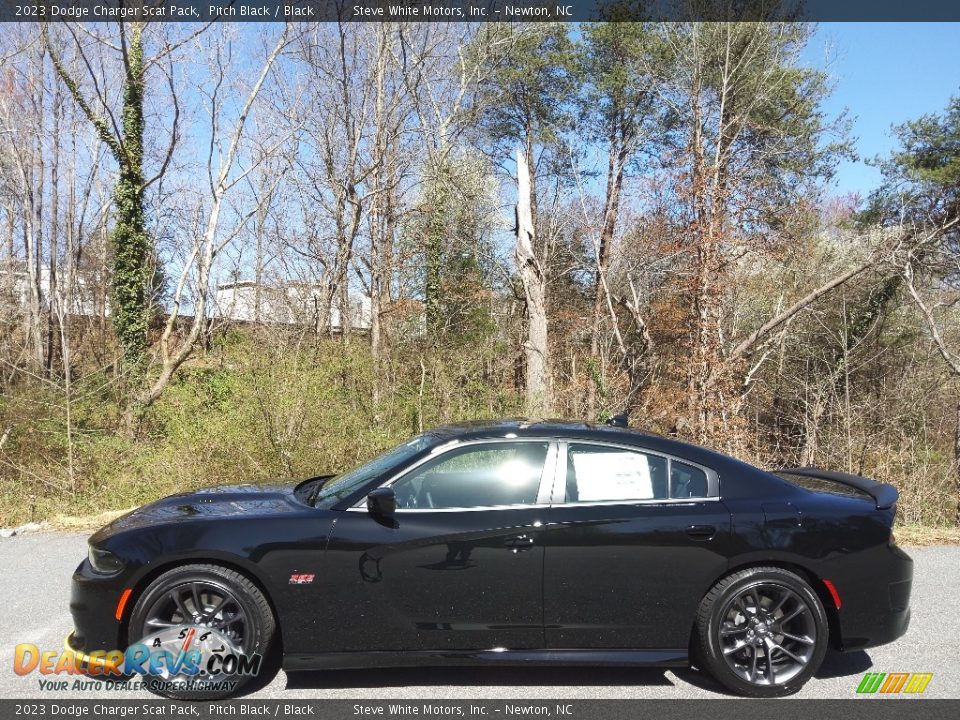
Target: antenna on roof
{"x": 619, "y": 420}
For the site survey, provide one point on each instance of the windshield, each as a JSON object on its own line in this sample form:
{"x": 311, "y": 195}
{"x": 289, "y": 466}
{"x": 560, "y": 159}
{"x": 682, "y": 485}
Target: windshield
{"x": 342, "y": 486}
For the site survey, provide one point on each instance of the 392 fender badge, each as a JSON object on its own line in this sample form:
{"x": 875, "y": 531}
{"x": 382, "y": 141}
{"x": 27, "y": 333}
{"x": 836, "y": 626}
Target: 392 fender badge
{"x": 301, "y": 578}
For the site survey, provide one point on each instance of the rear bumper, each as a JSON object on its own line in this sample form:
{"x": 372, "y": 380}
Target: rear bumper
{"x": 894, "y": 627}
{"x": 875, "y": 606}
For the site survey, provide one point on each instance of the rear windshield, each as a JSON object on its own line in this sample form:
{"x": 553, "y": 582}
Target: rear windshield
{"x": 823, "y": 485}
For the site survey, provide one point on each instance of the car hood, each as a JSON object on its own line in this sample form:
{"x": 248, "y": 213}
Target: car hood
{"x": 208, "y": 503}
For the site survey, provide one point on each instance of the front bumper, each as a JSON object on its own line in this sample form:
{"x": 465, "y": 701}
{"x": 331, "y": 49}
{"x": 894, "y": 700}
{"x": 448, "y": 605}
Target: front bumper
{"x": 70, "y": 645}
{"x": 93, "y": 606}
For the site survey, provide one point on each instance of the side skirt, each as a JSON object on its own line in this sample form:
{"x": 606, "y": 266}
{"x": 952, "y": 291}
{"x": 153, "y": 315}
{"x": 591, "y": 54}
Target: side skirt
{"x": 422, "y": 658}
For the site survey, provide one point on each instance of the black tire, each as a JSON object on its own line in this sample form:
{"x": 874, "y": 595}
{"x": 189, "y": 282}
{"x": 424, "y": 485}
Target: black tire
{"x": 740, "y": 630}
{"x": 258, "y": 621}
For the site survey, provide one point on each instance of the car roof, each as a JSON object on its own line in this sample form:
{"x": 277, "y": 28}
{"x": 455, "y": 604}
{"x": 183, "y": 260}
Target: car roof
{"x": 574, "y": 430}
{"x": 528, "y": 427}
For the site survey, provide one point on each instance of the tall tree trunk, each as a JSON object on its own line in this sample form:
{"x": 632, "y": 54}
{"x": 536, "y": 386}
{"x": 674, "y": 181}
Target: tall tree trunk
{"x": 32, "y": 175}
{"x": 707, "y": 404}
{"x": 382, "y": 230}
{"x": 435, "y": 228}
{"x": 346, "y": 324}
{"x": 699, "y": 367}
{"x": 9, "y": 300}
{"x": 258, "y": 264}
{"x": 611, "y": 210}
{"x": 54, "y": 313}
{"x": 131, "y": 245}
{"x": 31, "y": 240}
{"x": 534, "y": 286}
{"x": 34, "y": 187}
{"x": 347, "y": 236}
{"x": 956, "y": 457}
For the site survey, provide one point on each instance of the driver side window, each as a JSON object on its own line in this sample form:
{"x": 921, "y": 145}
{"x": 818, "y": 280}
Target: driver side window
{"x": 475, "y": 476}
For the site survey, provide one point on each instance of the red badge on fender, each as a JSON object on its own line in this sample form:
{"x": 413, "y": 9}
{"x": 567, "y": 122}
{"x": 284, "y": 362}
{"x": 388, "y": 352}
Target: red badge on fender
{"x": 301, "y": 579}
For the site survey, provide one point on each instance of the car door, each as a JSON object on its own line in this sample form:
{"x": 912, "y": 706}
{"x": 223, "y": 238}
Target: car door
{"x": 459, "y": 565}
{"x": 632, "y": 542}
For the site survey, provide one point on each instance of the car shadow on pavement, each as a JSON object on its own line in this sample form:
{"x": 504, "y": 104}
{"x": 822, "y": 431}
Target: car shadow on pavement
{"x": 838, "y": 664}
{"x": 474, "y": 676}
{"x": 835, "y": 664}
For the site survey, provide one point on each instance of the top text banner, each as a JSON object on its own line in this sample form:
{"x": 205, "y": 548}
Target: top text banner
{"x": 475, "y": 10}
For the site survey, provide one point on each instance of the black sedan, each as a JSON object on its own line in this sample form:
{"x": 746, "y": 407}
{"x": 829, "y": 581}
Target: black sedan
{"x": 515, "y": 542}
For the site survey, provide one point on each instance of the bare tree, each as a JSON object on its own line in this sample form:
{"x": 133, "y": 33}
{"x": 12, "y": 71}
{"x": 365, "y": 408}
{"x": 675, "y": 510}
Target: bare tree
{"x": 333, "y": 171}
{"x": 532, "y": 277}
{"x": 26, "y": 182}
{"x": 223, "y": 175}
{"x": 747, "y": 147}
{"x": 918, "y": 255}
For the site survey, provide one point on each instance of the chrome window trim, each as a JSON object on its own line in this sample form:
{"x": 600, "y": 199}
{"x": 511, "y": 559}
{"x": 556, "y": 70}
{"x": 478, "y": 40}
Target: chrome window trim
{"x": 547, "y": 475}
{"x": 559, "y": 489}
{"x": 631, "y": 503}
{"x": 560, "y": 481}
{"x": 477, "y": 508}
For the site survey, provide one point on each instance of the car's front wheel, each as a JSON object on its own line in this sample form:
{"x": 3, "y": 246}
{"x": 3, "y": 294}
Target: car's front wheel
{"x": 762, "y": 632}
{"x": 214, "y": 612}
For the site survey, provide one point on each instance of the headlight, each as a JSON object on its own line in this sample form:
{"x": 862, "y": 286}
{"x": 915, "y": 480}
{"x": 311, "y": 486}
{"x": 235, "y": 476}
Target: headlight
{"x": 103, "y": 561}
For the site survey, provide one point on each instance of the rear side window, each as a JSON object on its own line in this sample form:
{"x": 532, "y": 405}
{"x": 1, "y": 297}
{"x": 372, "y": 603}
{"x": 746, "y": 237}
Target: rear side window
{"x": 823, "y": 485}
{"x": 596, "y": 473}
{"x": 687, "y": 481}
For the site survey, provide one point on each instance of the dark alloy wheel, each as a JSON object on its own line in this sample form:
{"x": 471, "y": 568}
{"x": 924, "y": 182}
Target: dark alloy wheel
{"x": 762, "y": 632}
{"x": 204, "y": 603}
{"x": 205, "y": 597}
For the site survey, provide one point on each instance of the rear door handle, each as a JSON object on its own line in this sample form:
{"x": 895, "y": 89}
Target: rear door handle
{"x": 701, "y": 532}
{"x": 519, "y": 543}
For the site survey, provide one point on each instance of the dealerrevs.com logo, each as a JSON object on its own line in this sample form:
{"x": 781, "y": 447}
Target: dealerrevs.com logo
{"x": 894, "y": 683}
{"x": 180, "y": 657}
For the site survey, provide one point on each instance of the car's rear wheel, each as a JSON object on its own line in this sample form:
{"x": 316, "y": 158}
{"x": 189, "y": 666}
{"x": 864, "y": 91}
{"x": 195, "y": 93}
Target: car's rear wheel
{"x": 203, "y": 598}
{"x": 762, "y": 632}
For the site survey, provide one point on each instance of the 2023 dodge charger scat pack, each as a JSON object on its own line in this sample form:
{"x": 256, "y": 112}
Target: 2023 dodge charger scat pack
{"x": 517, "y": 542}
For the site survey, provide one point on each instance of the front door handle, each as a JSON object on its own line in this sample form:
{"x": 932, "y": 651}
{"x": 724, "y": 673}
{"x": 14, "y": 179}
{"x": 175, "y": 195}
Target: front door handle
{"x": 519, "y": 543}
{"x": 701, "y": 532}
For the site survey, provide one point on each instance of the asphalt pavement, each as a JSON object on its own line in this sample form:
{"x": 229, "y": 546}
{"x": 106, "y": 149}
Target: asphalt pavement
{"x": 35, "y": 572}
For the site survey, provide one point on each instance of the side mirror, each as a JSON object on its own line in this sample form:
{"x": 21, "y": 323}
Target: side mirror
{"x": 382, "y": 502}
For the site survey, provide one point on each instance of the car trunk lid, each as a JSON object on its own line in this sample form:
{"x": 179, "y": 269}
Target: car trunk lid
{"x": 884, "y": 495}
